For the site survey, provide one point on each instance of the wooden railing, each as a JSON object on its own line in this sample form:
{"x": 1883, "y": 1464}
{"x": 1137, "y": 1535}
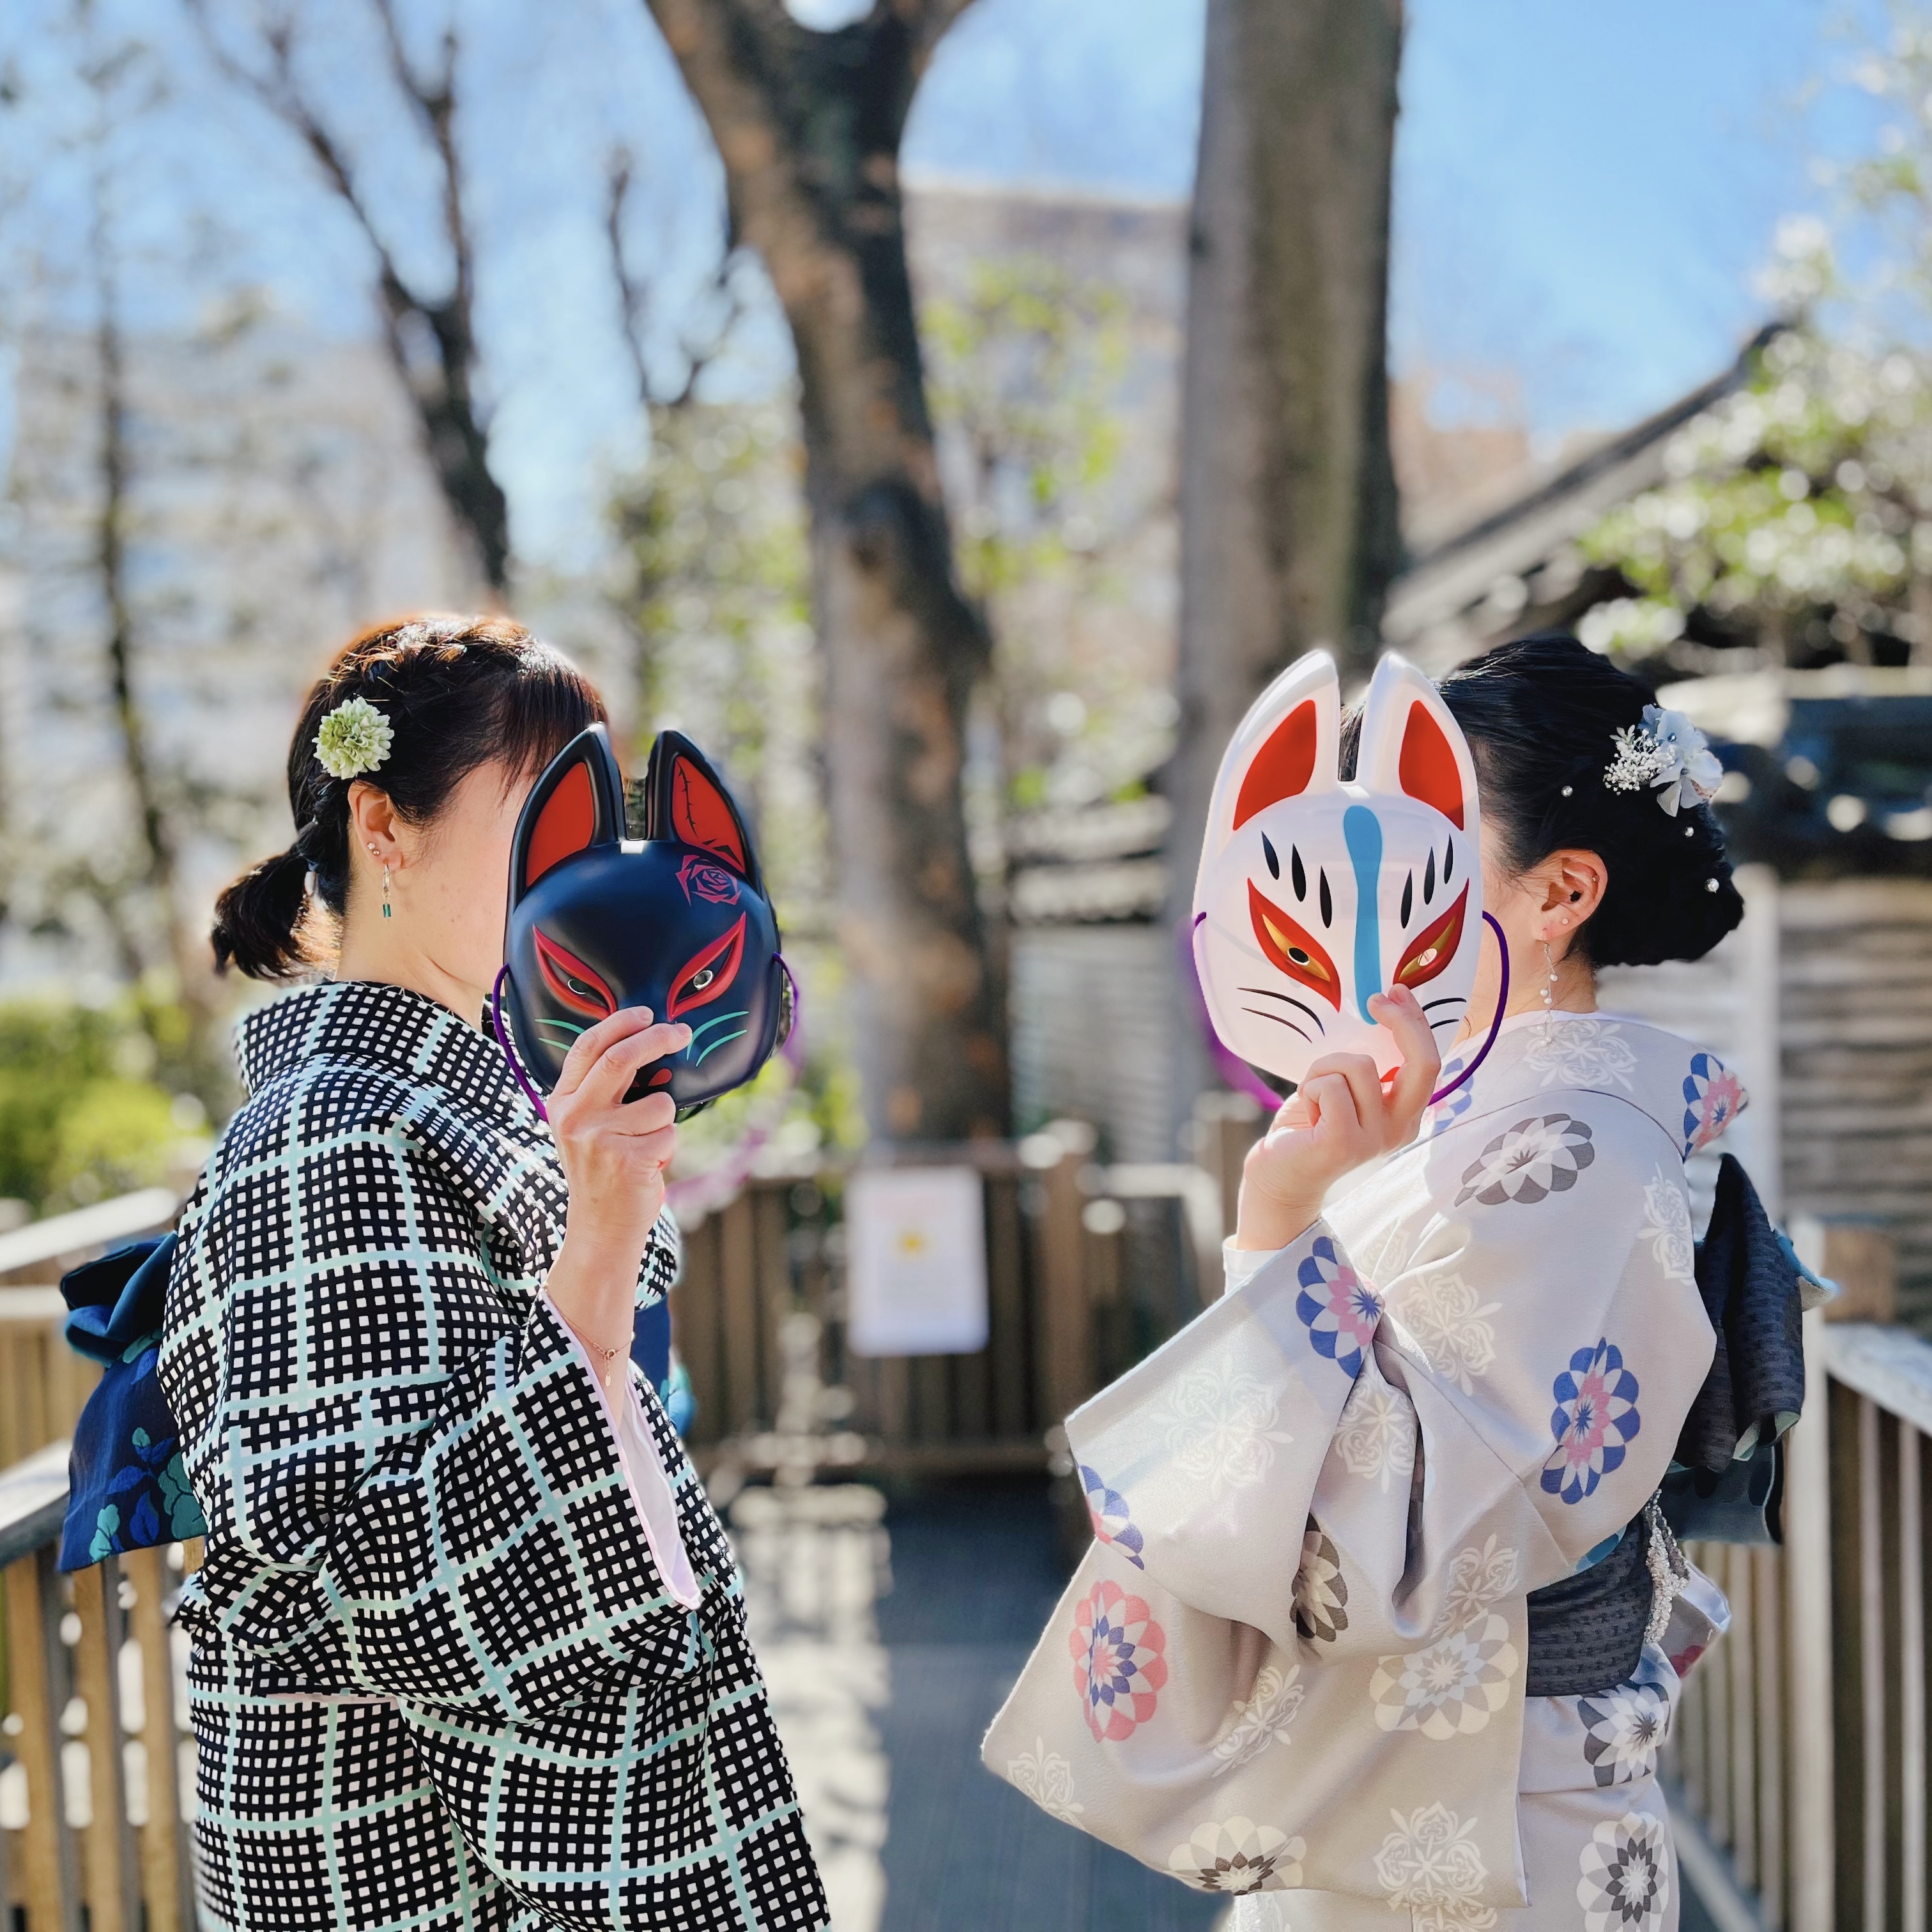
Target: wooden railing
{"x": 1799, "y": 1763}
{"x": 94, "y": 1761}
{"x": 1088, "y": 1267}
{"x": 97, "y": 1759}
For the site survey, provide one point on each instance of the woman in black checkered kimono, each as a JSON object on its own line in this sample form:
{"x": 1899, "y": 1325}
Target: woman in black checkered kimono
{"x": 468, "y": 1644}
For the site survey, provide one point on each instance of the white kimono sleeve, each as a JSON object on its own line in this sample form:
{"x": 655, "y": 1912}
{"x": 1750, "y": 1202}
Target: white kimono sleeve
{"x": 1302, "y": 1624}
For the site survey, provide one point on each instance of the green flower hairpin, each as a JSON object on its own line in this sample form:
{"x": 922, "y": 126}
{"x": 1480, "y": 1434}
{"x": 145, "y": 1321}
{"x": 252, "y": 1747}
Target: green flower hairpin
{"x": 355, "y": 738}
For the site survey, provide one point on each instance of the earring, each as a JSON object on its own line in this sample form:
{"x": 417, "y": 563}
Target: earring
{"x": 385, "y": 895}
{"x": 1549, "y": 993}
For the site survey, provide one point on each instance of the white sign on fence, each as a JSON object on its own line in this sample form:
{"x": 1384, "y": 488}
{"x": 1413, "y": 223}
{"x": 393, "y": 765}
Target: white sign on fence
{"x": 915, "y": 1266}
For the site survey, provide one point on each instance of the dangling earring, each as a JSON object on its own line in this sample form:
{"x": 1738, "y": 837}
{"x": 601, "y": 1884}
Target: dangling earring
{"x": 385, "y": 904}
{"x": 1548, "y": 994}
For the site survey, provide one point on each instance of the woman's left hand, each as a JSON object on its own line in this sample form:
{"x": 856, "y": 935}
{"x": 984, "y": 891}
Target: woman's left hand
{"x": 1341, "y": 1117}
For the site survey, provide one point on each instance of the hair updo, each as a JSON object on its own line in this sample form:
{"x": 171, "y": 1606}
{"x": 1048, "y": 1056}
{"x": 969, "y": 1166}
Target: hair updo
{"x": 1541, "y": 715}
{"x": 458, "y": 693}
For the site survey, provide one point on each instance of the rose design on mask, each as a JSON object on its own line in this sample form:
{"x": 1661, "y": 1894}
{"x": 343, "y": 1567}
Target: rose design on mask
{"x": 711, "y": 884}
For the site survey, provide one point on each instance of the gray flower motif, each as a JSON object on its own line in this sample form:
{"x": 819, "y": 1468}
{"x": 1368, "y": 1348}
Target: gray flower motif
{"x": 1320, "y": 1592}
{"x": 1527, "y": 1162}
{"x": 1623, "y": 1729}
{"x": 1625, "y": 1885}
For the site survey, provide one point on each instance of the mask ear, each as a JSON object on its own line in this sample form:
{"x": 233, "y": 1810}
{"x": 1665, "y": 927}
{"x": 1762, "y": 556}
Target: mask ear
{"x": 577, "y": 803}
{"x": 1285, "y": 748}
{"x": 685, "y": 799}
{"x": 1412, "y": 744}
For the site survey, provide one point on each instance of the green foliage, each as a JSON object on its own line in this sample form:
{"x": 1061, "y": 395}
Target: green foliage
{"x": 1797, "y": 515}
{"x": 716, "y": 590}
{"x": 1025, "y": 372}
{"x": 1029, "y": 368}
{"x": 1797, "y": 520}
{"x": 83, "y": 1115}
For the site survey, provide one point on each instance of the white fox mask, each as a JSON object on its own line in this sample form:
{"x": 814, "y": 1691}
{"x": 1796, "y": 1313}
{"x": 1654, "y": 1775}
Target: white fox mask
{"x": 1314, "y": 896}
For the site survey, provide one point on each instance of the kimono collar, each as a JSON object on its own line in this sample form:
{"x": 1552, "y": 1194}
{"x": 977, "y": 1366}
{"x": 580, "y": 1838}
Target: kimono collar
{"x": 1686, "y": 1089}
{"x": 375, "y": 1024}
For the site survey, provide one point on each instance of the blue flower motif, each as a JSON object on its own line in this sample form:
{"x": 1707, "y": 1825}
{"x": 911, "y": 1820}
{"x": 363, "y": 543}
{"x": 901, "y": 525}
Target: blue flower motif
{"x": 1595, "y": 1416}
{"x": 1108, "y": 1509}
{"x": 1338, "y": 1308}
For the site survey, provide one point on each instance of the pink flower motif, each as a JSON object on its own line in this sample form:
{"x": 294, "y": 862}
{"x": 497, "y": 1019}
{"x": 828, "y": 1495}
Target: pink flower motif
{"x": 1713, "y": 1098}
{"x": 1337, "y": 1307}
{"x": 1595, "y": 1416}
{"x": 712, "y": 883}
{"x": 1118, "y": 1664}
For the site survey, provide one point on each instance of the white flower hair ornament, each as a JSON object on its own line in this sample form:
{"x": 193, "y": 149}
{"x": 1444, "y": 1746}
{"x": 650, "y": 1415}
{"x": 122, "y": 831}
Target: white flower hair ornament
{"x": 355, "y": 738}
{"x": 1314, "y": 894}
{"x": 1667, "y": 752}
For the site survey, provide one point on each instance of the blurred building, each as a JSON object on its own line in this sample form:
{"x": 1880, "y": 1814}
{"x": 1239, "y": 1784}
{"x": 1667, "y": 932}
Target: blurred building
{"x": 277, "y": 500}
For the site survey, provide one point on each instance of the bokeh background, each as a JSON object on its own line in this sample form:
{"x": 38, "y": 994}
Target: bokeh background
{"x": 951, "y": 433}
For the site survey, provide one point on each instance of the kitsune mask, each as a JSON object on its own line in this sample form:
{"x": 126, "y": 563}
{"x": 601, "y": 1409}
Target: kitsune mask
{"x": 677, "y": 921}
{"x": 1313, "y": 895}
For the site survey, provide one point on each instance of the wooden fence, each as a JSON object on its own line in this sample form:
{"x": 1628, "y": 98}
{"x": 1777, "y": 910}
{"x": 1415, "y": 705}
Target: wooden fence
{"x": 1798, "y": 1766}
{"x": 1088, "y": 1267}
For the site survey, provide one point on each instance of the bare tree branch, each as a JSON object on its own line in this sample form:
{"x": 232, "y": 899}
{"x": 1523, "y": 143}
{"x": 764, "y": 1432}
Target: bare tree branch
{"x": 455, "y": 428}
{"x": 635, "y": 298}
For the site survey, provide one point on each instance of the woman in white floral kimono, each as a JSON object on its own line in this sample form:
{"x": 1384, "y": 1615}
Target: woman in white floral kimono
{"x": 1300, "y": 1663}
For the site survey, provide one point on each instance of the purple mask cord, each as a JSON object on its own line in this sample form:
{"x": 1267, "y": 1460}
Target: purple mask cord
{"x": 1495, "y": 1025}
{"x": 530, "y": 1094}
{"x": 1243, "y": 1079}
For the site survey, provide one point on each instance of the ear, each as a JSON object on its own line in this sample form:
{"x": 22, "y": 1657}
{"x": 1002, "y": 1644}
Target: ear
{"x": 1285, "y": 748}
{"x": 1412, "y": 744}
{"x": 685, "y": 799}
{"x": 577, "y": 803}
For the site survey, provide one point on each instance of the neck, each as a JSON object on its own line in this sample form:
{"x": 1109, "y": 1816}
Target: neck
{"x": 1573, "y": 992}
{"x": 390, "y": 960}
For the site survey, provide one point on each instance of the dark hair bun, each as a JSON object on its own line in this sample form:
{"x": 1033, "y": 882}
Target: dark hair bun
{"x": 1541, "y": 715}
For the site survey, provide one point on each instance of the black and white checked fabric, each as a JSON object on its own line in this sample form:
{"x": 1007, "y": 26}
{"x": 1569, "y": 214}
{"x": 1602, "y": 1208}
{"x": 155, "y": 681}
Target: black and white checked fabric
{"x": 437, "y": 1679}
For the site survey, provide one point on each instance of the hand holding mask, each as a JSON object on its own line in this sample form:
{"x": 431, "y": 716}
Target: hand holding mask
{"x": 677, "y": 921}
{"x": 1314, "y": 895}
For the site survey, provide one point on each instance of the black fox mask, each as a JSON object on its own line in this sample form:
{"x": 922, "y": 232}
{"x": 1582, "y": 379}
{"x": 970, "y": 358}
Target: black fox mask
{"x": 677, "y": 921}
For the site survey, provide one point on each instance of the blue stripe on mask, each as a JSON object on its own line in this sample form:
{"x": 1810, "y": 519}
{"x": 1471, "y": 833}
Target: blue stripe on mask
{"x": 1362, "y": 830}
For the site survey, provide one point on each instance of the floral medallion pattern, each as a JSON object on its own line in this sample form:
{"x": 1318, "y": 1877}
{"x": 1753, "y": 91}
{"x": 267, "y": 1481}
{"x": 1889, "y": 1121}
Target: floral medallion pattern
{"x": 1109, "y": 1510}
{"x": 1119, "y": 1661}
{"x": 1625, "y": 1885}
{"x": 1320, "y": 1590}
{"x": 1265, "y": 1716}
{"x": 1237, "y": 1856}
{"x": 1623, "y": 1729}
{"x": 1529, "y": 1162}
{"x": 1376, "y": 1434}
{"x": 1447, "y": 1321}
{"x": 1666, "y": 1226}
{"x": 1479, "y": 1575}
{"x": 1047, "y": 1778}
{"x": 1712, "y": 1100}
{"x": 1451, "y": 1687}
{"x": 1596, "y": 1414}
{"x": 1337, "y": 1307}
{"x": 1431, "y": 1871}
{"x": 1218, "y": 1424}
{"x": 1581, "y": 1051}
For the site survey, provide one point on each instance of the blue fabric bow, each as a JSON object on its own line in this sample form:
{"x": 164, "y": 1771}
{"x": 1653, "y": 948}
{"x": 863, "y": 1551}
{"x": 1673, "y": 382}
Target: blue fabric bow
{"x": 127, "y": 1488}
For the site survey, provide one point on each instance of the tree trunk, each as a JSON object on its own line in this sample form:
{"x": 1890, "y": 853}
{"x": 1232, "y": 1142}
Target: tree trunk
{"x": 808, "y": 124}
{"x": 1289, "y": 532}
{"x": 189, "y": 959}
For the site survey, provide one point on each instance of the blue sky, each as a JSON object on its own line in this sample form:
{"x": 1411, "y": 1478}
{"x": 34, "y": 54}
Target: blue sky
{"x": 1583, "y": 196}
{"x": 1583, "y": 193}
